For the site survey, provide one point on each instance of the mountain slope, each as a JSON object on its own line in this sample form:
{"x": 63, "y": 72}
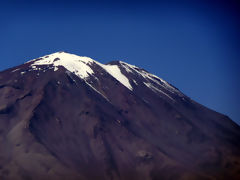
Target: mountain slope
{"x": 64, "y": 116}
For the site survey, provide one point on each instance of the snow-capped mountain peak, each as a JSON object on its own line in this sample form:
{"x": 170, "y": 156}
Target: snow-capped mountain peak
{"x": 85, "y": 68}
{"x": 80, "y": 66}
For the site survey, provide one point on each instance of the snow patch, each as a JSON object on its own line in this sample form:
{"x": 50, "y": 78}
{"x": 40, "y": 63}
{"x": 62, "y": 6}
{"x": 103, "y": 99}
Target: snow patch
{"x": 149, "y": 85}
{"x": 126, "y": 67}
{"x": 97, "y": 91}
{"x": 15, "y": 70}
{"x": 55, "y": 68}
{"x": 116, "y": 73}
{"x": 135, "y": 82}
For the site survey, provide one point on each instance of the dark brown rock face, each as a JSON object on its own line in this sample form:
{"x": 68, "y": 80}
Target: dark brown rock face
{"x": 56, "y": 124}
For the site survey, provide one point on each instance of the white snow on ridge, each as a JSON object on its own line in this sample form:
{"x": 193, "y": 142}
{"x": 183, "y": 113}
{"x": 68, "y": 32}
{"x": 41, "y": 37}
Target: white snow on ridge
{"x": 116, "y": 73}
{"x": 97, "y": 91}
{"x": 157, "y": 90}
{"x": 80, "y": 66}
{"x": 148, "y": 76}
{"x": 16, "y": 70}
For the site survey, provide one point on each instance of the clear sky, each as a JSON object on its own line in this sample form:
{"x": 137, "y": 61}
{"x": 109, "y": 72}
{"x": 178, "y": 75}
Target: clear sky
{"x": 194, "y": 45}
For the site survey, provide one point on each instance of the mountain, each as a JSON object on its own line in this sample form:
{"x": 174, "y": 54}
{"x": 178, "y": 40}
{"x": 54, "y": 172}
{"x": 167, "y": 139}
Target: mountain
{"x": 64, "y": 116}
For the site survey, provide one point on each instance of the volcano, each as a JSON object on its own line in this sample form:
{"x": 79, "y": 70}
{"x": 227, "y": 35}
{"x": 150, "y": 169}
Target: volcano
{"x": 68, "y": 117}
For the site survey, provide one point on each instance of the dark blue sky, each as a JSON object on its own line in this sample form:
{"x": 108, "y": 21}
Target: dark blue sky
{"x": 194, "y": 45}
